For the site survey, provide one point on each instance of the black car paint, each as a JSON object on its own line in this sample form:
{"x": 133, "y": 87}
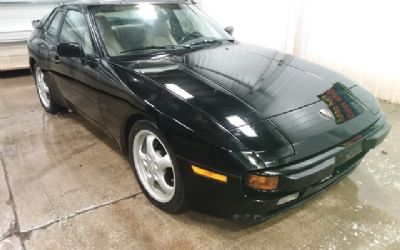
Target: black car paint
{"x": 277, "y": 95}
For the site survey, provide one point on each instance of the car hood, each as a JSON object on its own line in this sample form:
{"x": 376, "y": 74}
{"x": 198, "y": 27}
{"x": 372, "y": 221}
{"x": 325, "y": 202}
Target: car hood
{"x": 240, "y": 84}
{"x": 241, "y": 80}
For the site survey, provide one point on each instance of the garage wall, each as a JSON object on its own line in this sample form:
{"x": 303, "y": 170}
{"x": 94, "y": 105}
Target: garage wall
{"x": 359, "y": 38}
{"x": 15, "y": 27}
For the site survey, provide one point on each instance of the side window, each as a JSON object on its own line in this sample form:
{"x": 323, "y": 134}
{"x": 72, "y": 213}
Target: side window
{"x": 76, "y": 30}
{"x": 51, "y": 31}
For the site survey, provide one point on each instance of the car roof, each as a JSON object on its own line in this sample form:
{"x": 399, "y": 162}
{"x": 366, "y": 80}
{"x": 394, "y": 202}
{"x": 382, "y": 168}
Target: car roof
{"x": 108, "y": 2}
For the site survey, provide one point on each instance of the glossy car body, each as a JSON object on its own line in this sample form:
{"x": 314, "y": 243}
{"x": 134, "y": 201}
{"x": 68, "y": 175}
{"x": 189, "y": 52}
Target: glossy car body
{"x": 231, "y": 108}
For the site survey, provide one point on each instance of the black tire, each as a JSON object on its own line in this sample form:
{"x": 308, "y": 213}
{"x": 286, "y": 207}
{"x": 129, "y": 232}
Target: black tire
{"x": 178, "y": 202}
{"x": 52, "y": 107}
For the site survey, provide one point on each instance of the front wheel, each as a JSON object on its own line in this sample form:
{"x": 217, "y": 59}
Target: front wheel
{"x": 44, "y": 92}
{"x": 155, "y": 167}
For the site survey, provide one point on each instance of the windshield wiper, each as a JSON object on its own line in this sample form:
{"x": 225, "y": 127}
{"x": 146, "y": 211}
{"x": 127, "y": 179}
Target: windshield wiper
{"x": 178, "y": 47}
{"x": 208, "y": 41}
{"x": 168, "y": 47}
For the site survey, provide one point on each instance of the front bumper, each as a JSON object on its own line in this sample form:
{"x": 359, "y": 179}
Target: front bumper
{"x": 306, "y": 178}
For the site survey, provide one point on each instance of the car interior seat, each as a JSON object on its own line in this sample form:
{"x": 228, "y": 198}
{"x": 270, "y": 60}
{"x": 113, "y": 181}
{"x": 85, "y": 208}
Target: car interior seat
{"x": 131, "y": 36}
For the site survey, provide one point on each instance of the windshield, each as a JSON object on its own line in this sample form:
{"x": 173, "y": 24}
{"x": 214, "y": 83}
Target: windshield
{"x": 138, "y": 28}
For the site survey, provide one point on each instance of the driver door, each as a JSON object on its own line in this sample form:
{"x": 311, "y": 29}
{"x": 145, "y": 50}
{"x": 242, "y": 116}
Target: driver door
{"x": 79, "y": 76}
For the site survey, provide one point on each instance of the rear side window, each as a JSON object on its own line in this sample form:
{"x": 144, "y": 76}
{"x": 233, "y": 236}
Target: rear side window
{"x": 76, "y": 30}
{"x": 51, "y": 31}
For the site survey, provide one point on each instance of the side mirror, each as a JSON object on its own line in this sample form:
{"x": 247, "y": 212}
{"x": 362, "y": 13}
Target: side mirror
{"x": 70, "y": 50}
{"x": 229, "y": 30}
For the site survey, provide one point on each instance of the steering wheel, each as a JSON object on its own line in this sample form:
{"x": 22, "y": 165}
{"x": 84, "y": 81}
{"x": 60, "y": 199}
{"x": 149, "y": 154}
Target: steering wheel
{"x": 190, "y": 36}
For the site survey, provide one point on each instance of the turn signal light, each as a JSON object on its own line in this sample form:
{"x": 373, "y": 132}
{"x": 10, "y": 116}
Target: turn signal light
{"x": 209, "y": 174}
{"x": 263, "y": 182}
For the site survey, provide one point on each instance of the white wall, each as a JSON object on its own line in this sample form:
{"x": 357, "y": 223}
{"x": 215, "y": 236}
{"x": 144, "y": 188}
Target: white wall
{"x": 18, "y": 16}
{"x": 16, "y": 19}
{"x": 359, "y": 38}
{"x": 15, "y": 27}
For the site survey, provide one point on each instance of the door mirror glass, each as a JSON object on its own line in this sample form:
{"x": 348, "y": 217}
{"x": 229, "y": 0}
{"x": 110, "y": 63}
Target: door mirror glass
{"x": 70, "y": 50}
{"x": 229, "y": 30}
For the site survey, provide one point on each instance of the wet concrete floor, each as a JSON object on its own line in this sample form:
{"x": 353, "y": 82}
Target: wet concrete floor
{"x": 65, "y": 185}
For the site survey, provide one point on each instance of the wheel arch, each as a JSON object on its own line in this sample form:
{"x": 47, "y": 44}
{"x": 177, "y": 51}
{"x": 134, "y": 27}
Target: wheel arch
{"x": 152, "y": 115}
{"x": 126, "y": 128}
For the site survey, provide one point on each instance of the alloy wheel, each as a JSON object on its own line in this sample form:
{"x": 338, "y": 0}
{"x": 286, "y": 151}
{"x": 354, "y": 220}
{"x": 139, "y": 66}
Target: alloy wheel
{"x": 43, "y": 88}
{"x": 154, "y": 166}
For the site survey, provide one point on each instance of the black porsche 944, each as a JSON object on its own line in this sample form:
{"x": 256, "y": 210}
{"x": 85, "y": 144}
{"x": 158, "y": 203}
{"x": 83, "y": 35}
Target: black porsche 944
{"x": 223, "y": 127}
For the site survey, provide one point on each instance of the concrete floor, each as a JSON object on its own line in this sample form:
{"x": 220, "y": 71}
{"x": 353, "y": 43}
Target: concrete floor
{"x": 64, "y": 185}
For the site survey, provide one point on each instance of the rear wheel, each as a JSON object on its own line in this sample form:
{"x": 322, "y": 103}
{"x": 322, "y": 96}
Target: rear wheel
{"x": 44, "y": 92}
{"x": 155, "y": 167}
